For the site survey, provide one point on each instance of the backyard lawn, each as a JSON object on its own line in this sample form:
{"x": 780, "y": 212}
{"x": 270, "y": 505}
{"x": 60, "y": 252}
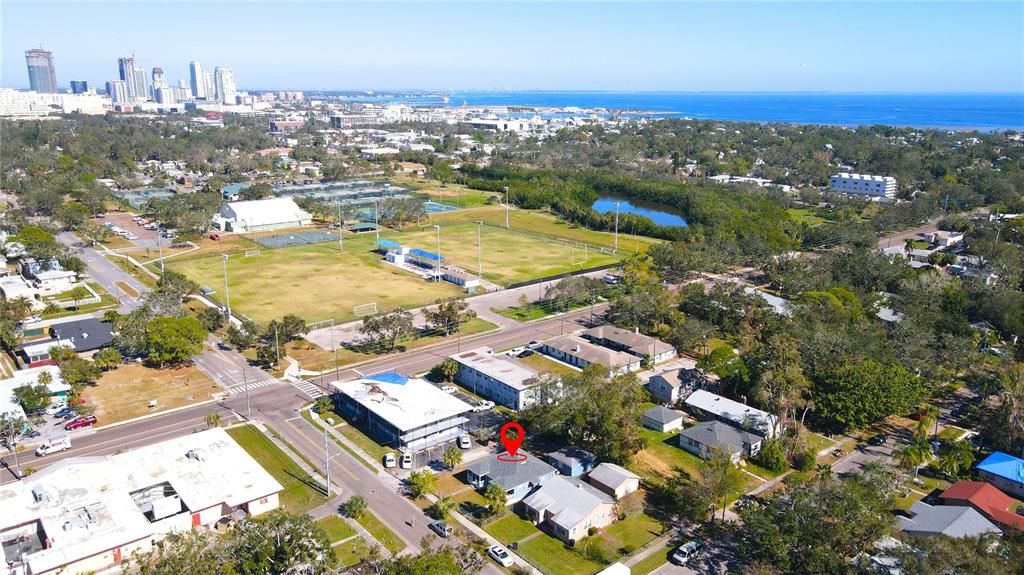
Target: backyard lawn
{"x": 662, "y": 456}
{"x": 350, "y": 552}
{"x": 633, "y": 532}
{"x": 511, "y": 528}
{"x": 336, "y": 528}
{"x": 301, "y": 493}
{"x": 551, "y": 557}
{"x": 126, "y": 391}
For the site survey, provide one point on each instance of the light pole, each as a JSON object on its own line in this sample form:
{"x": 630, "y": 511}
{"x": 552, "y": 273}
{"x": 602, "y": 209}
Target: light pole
{"x": 479, "y": 252}
{"x": 160, "y": 248}
{"x": 506, "y": 207}
{"x": 437, "y": 268}
{"x": 341, "y": 230}
{"x": 327, "y": 461}
{"x": 616, "y": 227}
{"x": 376, "y": 223}
{"x": 14, "y": 447}
{"x": 227, "y": 295}
{"x": 248, "y": 406}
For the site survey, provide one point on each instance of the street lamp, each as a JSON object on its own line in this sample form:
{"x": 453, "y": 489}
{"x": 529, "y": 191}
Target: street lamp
{"x": 160, "y": 248}
{"x": 14, "y": 447}
{"x": 506, "y": 207}
{"x": 341, "y": 230}
{"x": 376, "y": 223}
{"x": 479, "y": 252}
{"x": 227, "y": 295}
{"x": 437, "y": 267}
{"x": 327, "y": 462}
{"x": 616, "y": 227}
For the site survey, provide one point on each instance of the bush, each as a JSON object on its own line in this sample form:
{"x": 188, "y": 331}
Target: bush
{"x": 355, "y": 507}
{"x": 771, "y": 456}
{"x": 805, "y": 460}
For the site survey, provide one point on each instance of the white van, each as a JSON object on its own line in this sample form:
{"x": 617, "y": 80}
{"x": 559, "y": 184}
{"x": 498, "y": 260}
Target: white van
{"x": 54, "y": 445}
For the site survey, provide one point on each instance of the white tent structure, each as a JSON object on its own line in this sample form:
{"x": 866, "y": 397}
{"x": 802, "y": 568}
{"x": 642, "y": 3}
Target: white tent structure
{"x": 261, "y": 215}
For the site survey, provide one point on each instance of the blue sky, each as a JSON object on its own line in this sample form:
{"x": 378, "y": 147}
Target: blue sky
{"x": 686, "y": 46}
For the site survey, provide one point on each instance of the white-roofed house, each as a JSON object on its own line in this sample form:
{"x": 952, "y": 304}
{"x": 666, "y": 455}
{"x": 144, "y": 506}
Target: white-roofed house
{"x": 569, "y": 508}
{"x": 58, "y": 388}
{"x": 711, "y": 406}
{"x": 408, "y": 413}
{"x": 261, "y": 215}
{"x": 87, "y": 514}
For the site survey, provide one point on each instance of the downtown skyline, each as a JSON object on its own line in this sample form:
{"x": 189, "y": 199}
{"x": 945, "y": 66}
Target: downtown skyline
{"x": 687, "y": 47}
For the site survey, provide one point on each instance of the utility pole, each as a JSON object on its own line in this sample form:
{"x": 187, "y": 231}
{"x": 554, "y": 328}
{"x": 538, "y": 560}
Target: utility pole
{"x": 277, "y": 346}
{"x": 160, "y": 248}
{"x": 437, "y": 268}
{"x": 341, "y": 230}
{"x": 479, "y": 252}
{"x": 506, "y": 208}
{"x": 327, "y": 461}
{"x": 227, "y": 295}
{"x": 248, "y": 406}
{"x": 616, "y": 227}
{"x": 376, "y": 223}
{"x": 14, "y": 446}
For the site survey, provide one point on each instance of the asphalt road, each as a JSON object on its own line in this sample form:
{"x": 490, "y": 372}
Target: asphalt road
{"x": 105, "y": 273}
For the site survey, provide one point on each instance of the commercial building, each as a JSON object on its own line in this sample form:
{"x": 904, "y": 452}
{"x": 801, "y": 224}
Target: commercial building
{"x": 42, "y": 77}
{"x": 630, "y": 342}
{"x": 118, "y": 91}
{"x": 569, "y": 508}
{"x": 261, "y": 216}
{"x": 711, "y": 406}
{"x": 225, "y": 79}
{"x": 517, "y": 478}
{"x": 496, "y": 377}
{"x": 581, "y": 353}
{"x": 197, "y": 80}
{"x": 409, "y": 414}
{"x": 88, "y": 514}
{"x": 863, "y": 185}
{"x": 126, "y": 72}
{"x": 1004, "y": 471}
{"x": 79, "y": 86}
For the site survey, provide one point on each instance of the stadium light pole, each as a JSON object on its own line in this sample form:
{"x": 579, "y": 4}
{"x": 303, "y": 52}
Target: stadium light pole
{"x": 341, "y": 230}
{"x": 227, "y": 294}
{"x": 479, "y": 252}
{"x": 376, "y": 223}
{"x": 327, "y": 461}
{"x": 616, "y": 227}
{"x": 160, "y": 249}
{"x": 506, "y": 207}
{"x": 437, "y": 269}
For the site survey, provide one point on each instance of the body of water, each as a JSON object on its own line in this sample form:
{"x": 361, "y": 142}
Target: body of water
{"x": 657, "y": 214}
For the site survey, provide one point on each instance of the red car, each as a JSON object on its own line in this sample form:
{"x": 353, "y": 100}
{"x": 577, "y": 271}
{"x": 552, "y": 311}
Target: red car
{"x": 80, "y": 422}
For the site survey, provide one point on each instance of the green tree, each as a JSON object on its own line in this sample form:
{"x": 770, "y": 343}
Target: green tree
{"x": 915, "y": 455}
{"x": 859, "y": 393}
{"x": 212, "y": 419}
{"x": 210, "y": 318}
{"x": 771, "y": 456}
{"x": 355, "y": 507}
{"x": 174, "y": 340}
{"x": 452, "y": 457}
{"x": 420, "y": 482}
{"x": 443, "y": 507}
{"x": 449, "y": 315}
{"x": 256, "y": 191}
{"x": 107, "y": 358}
{"x": 78, "y": 293}
{"x": 11, "y": 428}
{"x": 445, "y": 371}
{"x": 278, "y": 542}
{"x": 243, "y": 337}
{"x": 497, "y": 498}
{"x": 384, "y": 330}
{"x": 198, "y": 552}
{"x": 958, "y": 459}
{"x": 719, "y": 478}
{"x": 33, "y": 398}
{"x": 75, "y": 370}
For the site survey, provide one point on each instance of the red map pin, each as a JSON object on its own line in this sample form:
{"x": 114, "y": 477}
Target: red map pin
{"x": 512, "y": 445}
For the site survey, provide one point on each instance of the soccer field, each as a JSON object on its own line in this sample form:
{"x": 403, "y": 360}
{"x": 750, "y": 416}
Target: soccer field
{"x": 315, "y": 282}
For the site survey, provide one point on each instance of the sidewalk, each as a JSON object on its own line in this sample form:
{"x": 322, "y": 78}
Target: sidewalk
{"x": 651, "y": 548}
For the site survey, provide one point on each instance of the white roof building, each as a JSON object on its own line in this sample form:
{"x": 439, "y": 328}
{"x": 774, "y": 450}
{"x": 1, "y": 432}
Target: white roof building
{"x": 496, "y": 377}
{"x": 58, "y": 387}
{"x": 733, "y": 412}
{"x": 90, "y": 513}
{"x": 262, "y": 215}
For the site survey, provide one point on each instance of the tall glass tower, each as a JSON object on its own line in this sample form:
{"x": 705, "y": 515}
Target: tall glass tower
{"x": 41, "y": 75}
{"x": 126, "y": 69}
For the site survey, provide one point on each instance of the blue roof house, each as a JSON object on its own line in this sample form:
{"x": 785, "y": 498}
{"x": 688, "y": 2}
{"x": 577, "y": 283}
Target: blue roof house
{"x": 1003, "y": 471}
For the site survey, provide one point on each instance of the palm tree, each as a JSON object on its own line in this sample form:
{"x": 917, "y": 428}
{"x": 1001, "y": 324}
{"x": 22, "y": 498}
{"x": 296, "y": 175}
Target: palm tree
{"x": 212, "y": 420}
{"x": 959, "y": 457}
{"x": 443, "y": 507}
{"x": 497, "y": 498}
{"x": 914, "y": 455}
{"x": 452, "y": 457}
{"x": 930, "y": 418}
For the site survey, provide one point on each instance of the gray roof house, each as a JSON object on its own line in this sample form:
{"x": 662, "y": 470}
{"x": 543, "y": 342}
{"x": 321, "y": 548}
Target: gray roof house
{"x": 572, "y": 461}
{"x": 660, "y": 418}
{"x": 87, "y": 334}
{"x": 630, "y": 342}
{"x": 579, "y": 352}
{"x": 614, "y": 480}
{"x": 569, "y": 507}
{"x": 703, "y": 438}
{"x": 950, "y": 520}
{"x": 517, "y": 478}
{"x": 674, "y": 386}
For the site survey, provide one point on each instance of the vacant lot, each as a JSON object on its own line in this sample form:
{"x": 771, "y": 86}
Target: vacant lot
{"x": 300, "y": 493}
{"x": 314, "y": 282}
{"x": 551, "y": 556}
{"x": 127, "y": 391}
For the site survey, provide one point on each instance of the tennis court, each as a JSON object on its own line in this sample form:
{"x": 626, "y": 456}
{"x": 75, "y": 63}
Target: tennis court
{"x": 296, "y": 239}
{"x": 437, "y": 207}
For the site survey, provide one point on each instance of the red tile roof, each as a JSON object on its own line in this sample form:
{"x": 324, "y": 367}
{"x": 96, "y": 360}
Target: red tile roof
{"x": 989, "y": 501}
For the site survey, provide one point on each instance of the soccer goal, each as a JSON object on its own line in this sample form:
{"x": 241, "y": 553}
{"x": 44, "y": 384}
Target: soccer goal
{"x": 251, "y": 253}
{"x": 364, "y": 309}
{"x": 320, "y": 324}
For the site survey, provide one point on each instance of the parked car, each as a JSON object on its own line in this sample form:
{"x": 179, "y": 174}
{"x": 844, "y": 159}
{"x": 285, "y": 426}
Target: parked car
{"x": 390, "y": 460}
{"x": 533, "y": 345}
{"x": 406, "y": 462}
{"x": 464, "y": 442}
{"x": 215, "y": 237}
{"x": 53, "y": 446}
{"x": 55, "y": 407}
{"x": 526, "y": 353}
{"x": 877, "y": 440}
{"x": 500, "y": 555}
{"x": 483, "y": 406}
{"x": 65, "y": 413}
{"x": 441, "y": 528}
{"x": 448, "y": 388}
{"x": 686, "y": 552}
{"x": 80, "y": 422}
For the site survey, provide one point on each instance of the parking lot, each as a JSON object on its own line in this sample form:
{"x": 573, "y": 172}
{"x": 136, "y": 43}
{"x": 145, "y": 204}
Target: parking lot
{"x": 123, "y": 220}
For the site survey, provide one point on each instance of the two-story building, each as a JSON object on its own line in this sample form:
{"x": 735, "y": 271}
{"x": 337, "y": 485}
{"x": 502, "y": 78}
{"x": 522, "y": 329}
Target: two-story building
{"x": 497, "y": 377}
{"x": 633, "y": 343}
{"x": 580, "y": 353}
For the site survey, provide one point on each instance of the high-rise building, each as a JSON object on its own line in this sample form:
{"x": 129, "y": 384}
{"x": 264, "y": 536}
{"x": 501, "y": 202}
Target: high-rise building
{"x": 211, "y": 86}
{"x": 42, "y": 77}
{"x": 79, "y": 86}
{"x": 126, "y": 71}
{"x": 165, "y": 95}
{"x": 225, "y": 85}
{"x": 141, "y": 85}
{"x": 118, "y": 91}
{"x": 159, "y": 80}
{"x": 195, "y": 70}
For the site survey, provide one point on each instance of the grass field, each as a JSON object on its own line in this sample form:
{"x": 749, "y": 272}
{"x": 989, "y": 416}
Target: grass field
{"x": 125, "y": 392}
{"x": 510, "y": 529}
{"x": 336, "y": 528}
{"x": 545, "y": 364}
{"x": 300, "y": 493}
{"x": 350, "y": 552}
{"x": 551, "y": 556}
{"x": 381, "y": 532}
{"x": 652, "y": 562}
